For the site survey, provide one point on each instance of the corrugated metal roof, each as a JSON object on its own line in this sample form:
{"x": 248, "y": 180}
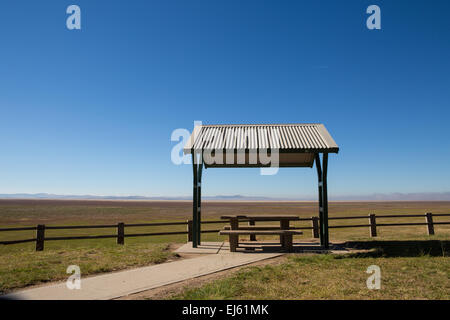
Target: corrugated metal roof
{"x": 301, "y": 137}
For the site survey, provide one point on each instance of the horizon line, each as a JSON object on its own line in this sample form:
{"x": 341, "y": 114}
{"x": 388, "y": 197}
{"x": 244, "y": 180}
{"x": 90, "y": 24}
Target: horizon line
{"x": 394, "y": 196}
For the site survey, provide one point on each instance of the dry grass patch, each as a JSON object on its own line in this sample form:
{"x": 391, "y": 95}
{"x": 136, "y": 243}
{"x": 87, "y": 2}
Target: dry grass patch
{"x": 335, "y": 277}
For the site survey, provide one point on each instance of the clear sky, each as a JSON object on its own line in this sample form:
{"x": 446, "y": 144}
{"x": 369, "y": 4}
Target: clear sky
{"x": 91, "y": 111}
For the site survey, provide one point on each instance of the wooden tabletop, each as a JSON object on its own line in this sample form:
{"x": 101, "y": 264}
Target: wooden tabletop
{"x": 262, "y": 217}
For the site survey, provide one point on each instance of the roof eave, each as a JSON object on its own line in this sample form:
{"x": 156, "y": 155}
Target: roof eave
{"x": 321, "y": 150}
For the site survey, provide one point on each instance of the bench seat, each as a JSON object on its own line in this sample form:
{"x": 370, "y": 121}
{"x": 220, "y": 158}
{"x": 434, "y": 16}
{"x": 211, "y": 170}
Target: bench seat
{"x": 260, "y": 232}
{"x": 257, "y": 228}
{"x": 286, "y": 236}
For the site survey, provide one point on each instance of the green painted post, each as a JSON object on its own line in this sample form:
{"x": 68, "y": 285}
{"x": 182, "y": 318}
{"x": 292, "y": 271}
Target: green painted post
{"x": 199, "y": 202}
{"x": 325, "y": 200}
{"x": 320, "y": 184}
{"x": 194, "y": 203}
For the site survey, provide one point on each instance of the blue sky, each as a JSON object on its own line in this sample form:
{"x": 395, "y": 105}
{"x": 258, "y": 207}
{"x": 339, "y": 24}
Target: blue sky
{"x": 91, "y": 111}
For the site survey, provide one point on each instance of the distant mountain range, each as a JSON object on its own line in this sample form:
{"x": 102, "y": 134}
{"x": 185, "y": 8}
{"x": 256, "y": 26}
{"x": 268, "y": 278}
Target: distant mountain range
{"x": 423, "y": 196}
{"x": 92, "y": 197}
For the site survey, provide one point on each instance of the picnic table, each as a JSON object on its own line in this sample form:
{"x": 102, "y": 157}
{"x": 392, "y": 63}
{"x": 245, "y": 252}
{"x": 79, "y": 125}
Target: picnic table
{"x": 284, "y": 230}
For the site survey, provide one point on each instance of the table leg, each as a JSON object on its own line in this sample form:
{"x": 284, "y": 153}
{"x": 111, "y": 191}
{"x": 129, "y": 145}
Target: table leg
{"x": 234, "y": 238}
{"x": 252, "y": 236}
{"x": 234, "y": 223}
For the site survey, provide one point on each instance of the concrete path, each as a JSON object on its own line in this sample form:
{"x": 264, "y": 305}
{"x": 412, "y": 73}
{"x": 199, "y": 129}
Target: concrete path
{"x": 119, "y": 284}
{"x": 205, "y": 248}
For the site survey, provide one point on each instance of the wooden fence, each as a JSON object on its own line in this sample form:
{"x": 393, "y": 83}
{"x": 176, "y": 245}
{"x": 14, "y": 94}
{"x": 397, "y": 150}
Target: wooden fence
{"x": 121, "y": 235}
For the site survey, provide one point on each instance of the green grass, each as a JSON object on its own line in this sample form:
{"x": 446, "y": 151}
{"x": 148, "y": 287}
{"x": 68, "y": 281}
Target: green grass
{"x": 21, "y": 266}
{"x": 334, "y": 277}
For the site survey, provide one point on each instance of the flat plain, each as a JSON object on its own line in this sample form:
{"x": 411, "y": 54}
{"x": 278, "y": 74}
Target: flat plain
{"x": 21, "y": 266}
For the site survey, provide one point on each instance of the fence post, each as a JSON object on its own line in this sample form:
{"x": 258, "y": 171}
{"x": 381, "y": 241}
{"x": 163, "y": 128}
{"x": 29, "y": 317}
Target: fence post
{"x": 120, "y": 233}
{"x": 429, "y": 220}
{"x": 252, "y": 236}
{"x": 373, "y": 225}
{"x": 315, "y": 227}
{"x": 40, "y": 237}
{"x": 189, "y": 230}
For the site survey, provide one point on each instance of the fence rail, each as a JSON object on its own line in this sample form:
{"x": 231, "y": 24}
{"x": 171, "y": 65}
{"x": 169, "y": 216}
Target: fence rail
{"x": 121, "y": 235}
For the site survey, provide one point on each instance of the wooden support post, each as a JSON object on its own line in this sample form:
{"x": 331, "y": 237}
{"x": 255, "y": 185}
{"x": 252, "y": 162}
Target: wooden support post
{"x": 189, "y": 230}
{"x": 373, "y": 225}
{"x": 429, "y": 220}
{"x": 315, "y": 227}
{"x": 252, "y": 236}
{"x": 287, "y": 242}
{"x": 40, "y": 237}
{"x": 120, "y": 233}
{"x": 284, "y": 225}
